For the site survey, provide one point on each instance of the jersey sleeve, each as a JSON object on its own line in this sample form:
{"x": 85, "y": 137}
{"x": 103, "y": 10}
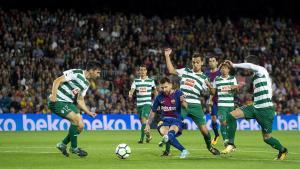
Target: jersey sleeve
{"x": 180, "y": 93}
{"x": 133, "y": 86}
{"x": 260, "y": 71}
{"x": 69, "y": 75}
{"x": 153, "y": 84}
{"x": 155, "y": 104}
{"x": 180, "y": 72}
{"x": 234, "y": 81}
{"x": 83, "y": 93}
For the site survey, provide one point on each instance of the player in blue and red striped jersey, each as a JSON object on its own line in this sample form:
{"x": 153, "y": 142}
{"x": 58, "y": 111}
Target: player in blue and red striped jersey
{"x": 212, "y": 73}
{"x": 170, "y": 102}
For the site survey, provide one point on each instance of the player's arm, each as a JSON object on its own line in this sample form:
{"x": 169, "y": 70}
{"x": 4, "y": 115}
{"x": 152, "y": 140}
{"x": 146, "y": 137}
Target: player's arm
{"x": 210, "y": 87}
{"x": 56, "y": 83}
{"x": 82, "y": 106}
{"x": 258, "y": 69}
{"x": 154, "y": 89}
{"x": 152, "y": 114}
{"x": 130, "y": 94}
{"x": 235, "y": 87}
{"x": 170, "y": 66}
{"x": 132, "y": 89}
{"x": 183, "y": 101}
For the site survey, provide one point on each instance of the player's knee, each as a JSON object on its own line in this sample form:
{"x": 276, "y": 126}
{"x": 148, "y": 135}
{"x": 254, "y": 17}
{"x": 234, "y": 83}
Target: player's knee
{"x": 203, "y": 129}
{"x": 223, "y": 123}
{"x": 80, "y": 127}
{"x": 266, "y": 136}
{"x": 75, "y": 120}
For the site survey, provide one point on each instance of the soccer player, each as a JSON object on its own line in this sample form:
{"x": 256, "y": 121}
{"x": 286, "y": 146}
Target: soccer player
{"x": 224, "y": 86}
{"x": 212, "y": 73}
{"x": 144, "y": 87}
{"x": 262, "y": 109}
{"x": 192, "y": 83}
{"x": 170, "y": 102}
{"x": 67, "y": 90}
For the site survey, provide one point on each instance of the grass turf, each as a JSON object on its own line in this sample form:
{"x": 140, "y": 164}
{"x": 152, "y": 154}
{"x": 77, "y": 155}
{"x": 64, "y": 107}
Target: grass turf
{"x": 36, "y": 150}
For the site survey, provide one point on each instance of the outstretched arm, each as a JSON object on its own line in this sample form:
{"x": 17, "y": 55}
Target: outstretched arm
{"x": 170, "y": 66}
{"x": 249, "y": 66}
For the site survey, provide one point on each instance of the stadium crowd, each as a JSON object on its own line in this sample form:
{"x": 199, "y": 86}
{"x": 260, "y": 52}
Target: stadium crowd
{"x": 37, "y": 46}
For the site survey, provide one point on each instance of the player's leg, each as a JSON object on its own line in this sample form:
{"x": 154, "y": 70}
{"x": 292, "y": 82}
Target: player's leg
{"x": 76, "y": 128}
{"x": 242, "y": 112}
{"x": 163, "y": 130}
{"x": 196, "y": 113}
{"x": 143, "y": 122}
{"x": 223, "y": 113}
{"x": 57, "y": 108}
{"x": 174, "y": 129}
{"x": 265, "y": 118}
{"x": 214, "y": 123}
{"x": 145, "y": 115}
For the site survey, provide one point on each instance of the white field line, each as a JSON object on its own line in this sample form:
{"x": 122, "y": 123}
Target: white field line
{"x": 140, "y": 148}
{"x": 194, "y": 156}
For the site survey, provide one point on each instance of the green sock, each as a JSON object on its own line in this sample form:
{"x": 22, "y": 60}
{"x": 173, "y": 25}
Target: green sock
{"x": 143, "y": 132}
{"x": 73, "y": 132}
{"x": 231, "y": 128}
{"x": 207, "y": 140}
{"x": 67, "y": 139}
{"x": 168, "y": 147}
{"x": 273, "y": 142}
{"x": 223, "y": 132}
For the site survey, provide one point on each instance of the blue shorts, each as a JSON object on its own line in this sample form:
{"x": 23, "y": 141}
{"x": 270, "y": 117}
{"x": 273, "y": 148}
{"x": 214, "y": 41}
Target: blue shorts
{"x": 171, "y": 122}
{"x": 214, "y": 109}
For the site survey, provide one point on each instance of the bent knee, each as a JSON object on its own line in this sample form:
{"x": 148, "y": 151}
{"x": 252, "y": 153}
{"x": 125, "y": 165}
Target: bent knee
{"x": 266, "y": 136}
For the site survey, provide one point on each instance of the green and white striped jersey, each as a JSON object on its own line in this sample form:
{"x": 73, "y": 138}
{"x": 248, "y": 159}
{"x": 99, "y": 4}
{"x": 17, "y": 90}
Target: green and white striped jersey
{"x": 224, "y": 92}
{"x": 143, "y": 89}
{"x": 262, "y": 85}
{"x": 191, "y": 84}
{"x": 76, "y": 84}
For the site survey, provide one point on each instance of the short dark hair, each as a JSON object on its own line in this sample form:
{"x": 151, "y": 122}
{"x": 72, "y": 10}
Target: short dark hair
{"x": 165, "y": 80}
{"x": 252, "y": 59}
{"x": 226, "y": 64}
{"x": 213, "y": 56}
{"x": 92, "y": 65}
{"x": 196, "y": 55}
{"x": 143, "y": 65}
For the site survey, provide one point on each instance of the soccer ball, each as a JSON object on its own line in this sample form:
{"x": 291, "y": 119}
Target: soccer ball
{"x": 123, "y": 151}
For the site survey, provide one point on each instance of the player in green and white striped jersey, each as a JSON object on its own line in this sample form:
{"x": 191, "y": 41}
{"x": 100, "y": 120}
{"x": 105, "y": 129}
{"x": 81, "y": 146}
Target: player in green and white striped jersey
{"x": 262, "y": 109}
{"x": 144, "y": 87}
{"x": 224, "y": 85}
{"x": 67, "y": 90}
{"x": 192, "y": 83}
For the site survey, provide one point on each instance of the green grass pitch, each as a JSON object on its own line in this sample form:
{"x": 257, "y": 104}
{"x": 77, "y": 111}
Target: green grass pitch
{"x": 36, "y": 150}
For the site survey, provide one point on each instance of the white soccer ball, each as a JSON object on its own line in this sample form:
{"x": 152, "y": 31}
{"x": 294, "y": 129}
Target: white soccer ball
{"x": 123, "y": 151}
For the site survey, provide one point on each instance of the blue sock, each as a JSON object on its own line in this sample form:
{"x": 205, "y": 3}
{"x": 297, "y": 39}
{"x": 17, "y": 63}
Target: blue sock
{"x": 174, "y": 142}
{"x": 215, "y": 128}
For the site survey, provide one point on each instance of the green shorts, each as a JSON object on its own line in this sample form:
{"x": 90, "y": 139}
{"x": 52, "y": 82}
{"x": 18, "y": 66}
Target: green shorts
{"x": 62, "y": 109}
{"x": 195, "y": 112}
{"x": 144, "y": 111}
{"x": 263, "y": 116}
{"x": 223, "y": 112}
